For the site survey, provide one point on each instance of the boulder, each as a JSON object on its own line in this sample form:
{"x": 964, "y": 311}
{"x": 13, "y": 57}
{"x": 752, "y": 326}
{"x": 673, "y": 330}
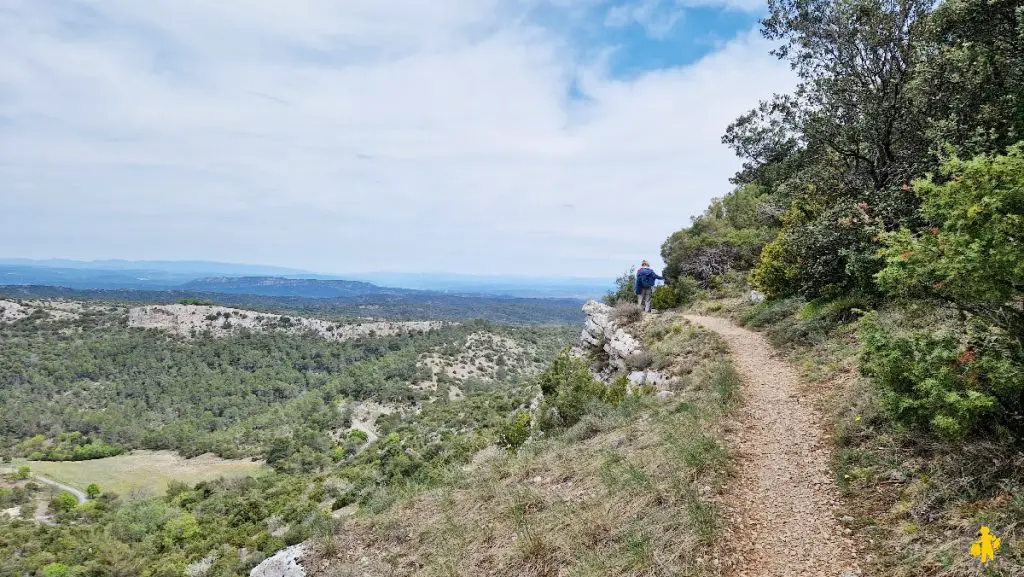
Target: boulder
{"x": 756, "y": 297}
{"x": 284, "y": 563}
{"x": 648, "y": 377}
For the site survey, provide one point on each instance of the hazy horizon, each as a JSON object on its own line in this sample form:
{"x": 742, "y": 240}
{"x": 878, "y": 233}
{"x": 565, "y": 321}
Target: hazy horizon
{"x": 285, "y": 270}
{"x": 520, "y": 137}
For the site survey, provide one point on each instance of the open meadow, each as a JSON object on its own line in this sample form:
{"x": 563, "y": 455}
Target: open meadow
{"x": 147, "y": 470}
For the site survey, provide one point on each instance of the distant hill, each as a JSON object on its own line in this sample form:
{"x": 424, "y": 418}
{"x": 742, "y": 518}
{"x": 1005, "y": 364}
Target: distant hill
{"x": 289, "y": 287}
{"x": 277, "y": 281}
{"x": 396, "y": 305}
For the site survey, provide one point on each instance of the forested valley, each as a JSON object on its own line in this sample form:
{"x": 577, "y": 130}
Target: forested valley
{"x": 78, "y": 383}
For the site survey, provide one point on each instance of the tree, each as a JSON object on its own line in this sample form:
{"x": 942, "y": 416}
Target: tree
{"x": 64, "y": 502}
{"x": 625, "y": 290}
{"x": 971, "y": 83}
{"x": 93, "y": 491}
{"x": 728, "y": 236}
{"x": 843, "y": 144}
{"x": 23, "y": 472}
{"x": 56, "y": 570}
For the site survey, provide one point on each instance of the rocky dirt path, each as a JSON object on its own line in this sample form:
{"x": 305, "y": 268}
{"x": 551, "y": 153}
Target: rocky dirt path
{"x": 781, "y": 504}
{"x": 81, "y": 496}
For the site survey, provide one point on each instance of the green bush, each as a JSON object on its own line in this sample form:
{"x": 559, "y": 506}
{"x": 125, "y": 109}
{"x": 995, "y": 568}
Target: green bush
{"x": 971, "y": 256}
{"x": 771, "y": 312}
{"x": 569, "y": 389}
{"x": 836, "y": 311}
{"x": 56, "y": 570}
{"x": 625, "y": 289}
{"x": 932, "y": 381}
{"x": 664, "y": 298}
{"x": 515, "y": 431}
{"x": 63, "y": 502}
{"x": 778, "y": 269}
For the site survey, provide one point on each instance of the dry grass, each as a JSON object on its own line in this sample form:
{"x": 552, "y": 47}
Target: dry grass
{"x": 625, "y": 314}
{"x": 631, "y": 491}
{"x": 145, "y": 470}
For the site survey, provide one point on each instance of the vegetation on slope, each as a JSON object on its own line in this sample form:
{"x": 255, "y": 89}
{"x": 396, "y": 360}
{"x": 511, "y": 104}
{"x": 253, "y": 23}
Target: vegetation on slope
{"x": 880, "y": 210}
{"x": 86, "y": 379}
{"x": 89, "y": 386}
{"x": 629, "y": 489}
{"x": 409, "y": 306}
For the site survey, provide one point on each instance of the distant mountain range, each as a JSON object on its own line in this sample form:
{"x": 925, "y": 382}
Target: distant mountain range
{"x": 290, "y": 287}
{"x": 227, "y": 278}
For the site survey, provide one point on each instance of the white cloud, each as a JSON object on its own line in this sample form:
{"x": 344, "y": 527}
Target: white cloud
{"x": 655, "y": 16}
{"x": 365, "y": 134}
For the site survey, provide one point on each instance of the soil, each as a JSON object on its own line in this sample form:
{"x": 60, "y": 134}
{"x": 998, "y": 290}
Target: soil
{"x": 782, "y": 502}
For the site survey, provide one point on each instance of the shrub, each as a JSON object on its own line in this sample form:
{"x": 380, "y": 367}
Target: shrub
{"x": 771, "y": 312}
{"x": 56, "y": 570}
{"x": 625, "y": 289}
{"x": 63, "y": 502}
{"x": 627, "y": 313}
{"x": 941, "y": 382}
{"x": 569, "y": 389}
{"x": 972, "y": 377}
{"x": 838, "y": 311}
{"x": 664, "y": 298}
{"x": 515, "y": 431}
{"x": 640, "y": 360}
{"x": 615, "y": 393}
{"x": 777, "y": 271}
{"x": 92, "y": 491}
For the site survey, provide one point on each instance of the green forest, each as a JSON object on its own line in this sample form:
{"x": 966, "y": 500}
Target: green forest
{"x": 90, "y": 387}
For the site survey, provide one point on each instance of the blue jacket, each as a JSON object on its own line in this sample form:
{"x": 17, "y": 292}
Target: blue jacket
{"x": 645, "y": 278}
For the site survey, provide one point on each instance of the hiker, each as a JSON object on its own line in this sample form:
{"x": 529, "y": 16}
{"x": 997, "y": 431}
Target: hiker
{"x": 645, "y": 279}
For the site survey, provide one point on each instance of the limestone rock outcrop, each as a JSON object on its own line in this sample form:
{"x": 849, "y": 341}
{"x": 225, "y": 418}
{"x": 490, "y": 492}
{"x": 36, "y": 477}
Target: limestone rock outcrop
{"x": 284, "y": 563}
{"x": 602, "y": 333}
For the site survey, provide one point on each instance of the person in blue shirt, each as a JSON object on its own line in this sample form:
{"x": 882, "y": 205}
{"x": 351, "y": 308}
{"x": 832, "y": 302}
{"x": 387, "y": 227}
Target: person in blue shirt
{"x": 645, "y": 279}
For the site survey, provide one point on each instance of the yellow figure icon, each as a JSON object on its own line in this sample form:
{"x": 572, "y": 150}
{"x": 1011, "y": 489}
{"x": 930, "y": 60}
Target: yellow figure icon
{"x": 986, "y": 545}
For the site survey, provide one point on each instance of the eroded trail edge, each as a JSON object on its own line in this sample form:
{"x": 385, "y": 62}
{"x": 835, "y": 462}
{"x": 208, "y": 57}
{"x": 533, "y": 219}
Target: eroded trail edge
{"x": 781, "y": 504}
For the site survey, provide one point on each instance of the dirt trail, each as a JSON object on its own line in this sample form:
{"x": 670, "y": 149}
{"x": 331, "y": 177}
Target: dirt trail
{"x": 82, "y": 498}
{"x": 781, "y": 503}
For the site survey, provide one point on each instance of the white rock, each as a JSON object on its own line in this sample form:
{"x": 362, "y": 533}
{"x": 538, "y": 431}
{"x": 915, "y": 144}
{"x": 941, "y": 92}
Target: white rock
{"x": 645, "y": 377}
{"x": 284, "y": 563}
{"x": 756, "y": 297}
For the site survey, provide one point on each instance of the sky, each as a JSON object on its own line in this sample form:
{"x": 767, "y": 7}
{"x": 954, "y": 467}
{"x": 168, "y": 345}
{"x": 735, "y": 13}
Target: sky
{"x": 527, "y": 137}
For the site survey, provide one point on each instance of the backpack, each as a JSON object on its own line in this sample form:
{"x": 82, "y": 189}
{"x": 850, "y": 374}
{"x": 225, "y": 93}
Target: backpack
{"x": 647, "y": 277}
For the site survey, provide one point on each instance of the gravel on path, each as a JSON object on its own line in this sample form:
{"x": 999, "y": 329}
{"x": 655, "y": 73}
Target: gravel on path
{"x": 781, "y": 505}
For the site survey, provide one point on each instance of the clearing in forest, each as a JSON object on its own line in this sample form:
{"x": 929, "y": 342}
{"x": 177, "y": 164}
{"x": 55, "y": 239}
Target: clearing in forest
{"x": 146, "y": 470}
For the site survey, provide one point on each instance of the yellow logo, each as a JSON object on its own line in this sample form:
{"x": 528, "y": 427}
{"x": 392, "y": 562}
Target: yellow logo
{"x": 986, "y": 545}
